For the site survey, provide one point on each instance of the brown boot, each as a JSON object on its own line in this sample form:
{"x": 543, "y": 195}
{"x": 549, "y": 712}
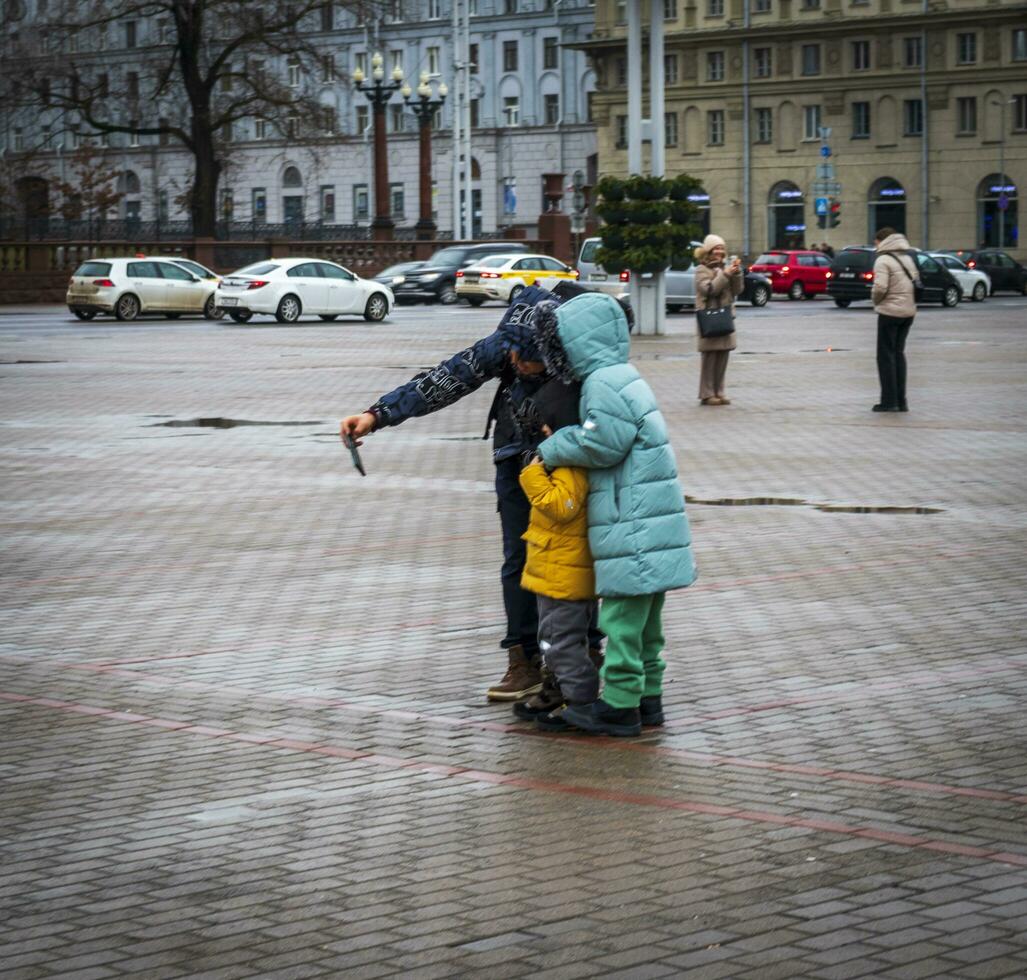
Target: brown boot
{"x": 547, "y": 699}
{"x": 522, "y": 678}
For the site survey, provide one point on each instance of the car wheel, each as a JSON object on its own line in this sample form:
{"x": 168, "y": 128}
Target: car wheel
{"x": 760, "y": 296}
{"x": 675, "y": 307}
{"x": 84, "y": 314}
{"x": 514, "y": 293}
{"x": 172, "y": 316}
{"x": 950, "y": 297}
{"x": 211, "y": 311}
{"x": 842, "y": 303}
{"x": 796, "y": 291}
{"x": 475, "y": 300}
{"x": 127, "y": 308}
{"x": 289, "y": 309}
{"x": 328, "y": 317}
{"x": 240, "y": 316}
{"x": 979, "y": 292}
{"x": 447, "y": 294}
{"x": 377, "y": 308}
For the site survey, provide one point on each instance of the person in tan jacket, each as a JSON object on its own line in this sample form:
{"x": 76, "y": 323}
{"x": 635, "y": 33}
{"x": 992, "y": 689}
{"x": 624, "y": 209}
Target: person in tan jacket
{"x": 894, "y": 299}
{"x": 716, "y": 284}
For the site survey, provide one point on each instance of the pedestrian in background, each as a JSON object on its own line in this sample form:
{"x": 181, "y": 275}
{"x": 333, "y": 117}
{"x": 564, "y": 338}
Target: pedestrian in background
{"x": 716, "y": 285}
{"x": 894, "y": 299}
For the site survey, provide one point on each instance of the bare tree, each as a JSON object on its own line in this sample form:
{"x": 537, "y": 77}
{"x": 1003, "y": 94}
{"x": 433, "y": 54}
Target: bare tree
{"x": 188, "y": 72}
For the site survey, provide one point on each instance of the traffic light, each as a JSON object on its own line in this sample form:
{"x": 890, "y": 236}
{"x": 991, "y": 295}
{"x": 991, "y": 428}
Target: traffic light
{"x": 836, "y": 213}
{"x": 821, "y": 220}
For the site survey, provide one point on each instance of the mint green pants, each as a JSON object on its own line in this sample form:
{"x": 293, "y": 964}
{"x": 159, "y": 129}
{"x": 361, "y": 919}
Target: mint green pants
{"x": 634, "y": 641}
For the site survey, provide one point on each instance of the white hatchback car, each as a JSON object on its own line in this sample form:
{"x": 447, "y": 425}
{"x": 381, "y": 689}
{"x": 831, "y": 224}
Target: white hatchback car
{"x": 288, "y": 288}
{"x": 128, "y": 287}
{"x": 976, "y": 283}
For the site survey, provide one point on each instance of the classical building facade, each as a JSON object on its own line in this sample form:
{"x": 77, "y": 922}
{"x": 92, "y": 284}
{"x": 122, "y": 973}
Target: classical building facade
{"x": 530, "y": 109}
{"x": 927, "y": 113}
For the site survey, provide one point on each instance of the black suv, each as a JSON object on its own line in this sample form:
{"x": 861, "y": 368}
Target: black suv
{"x": 435, "y": 280}
{"x": 1002, "y": 269}
{"x": 852, "y": 276}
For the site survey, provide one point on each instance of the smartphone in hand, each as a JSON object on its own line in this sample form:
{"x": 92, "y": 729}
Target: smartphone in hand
{"x": 354, "y": 454}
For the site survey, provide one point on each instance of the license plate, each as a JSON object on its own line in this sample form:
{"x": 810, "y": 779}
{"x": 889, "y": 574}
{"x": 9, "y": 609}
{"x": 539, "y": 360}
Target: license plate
{"x": 229, "y": 302}
{"x": 598, "y": 277}
{"x": 471, "y": 280}
{"x": 846, "y": 275}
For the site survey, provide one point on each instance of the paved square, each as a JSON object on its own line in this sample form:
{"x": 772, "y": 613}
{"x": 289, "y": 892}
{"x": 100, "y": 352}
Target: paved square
{"x": 241, "y": 687}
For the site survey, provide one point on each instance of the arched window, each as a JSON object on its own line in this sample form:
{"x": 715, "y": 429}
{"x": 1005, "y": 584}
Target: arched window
{"x": 998, "y": 213}
{"x": 701, "y": 200}
{"x": 292, "y": 177}
{"x": 886, "y": 206}
{"x": 786, "y": 216}
{"x": 292, "y": 196}
{"x": 130, "y": 182}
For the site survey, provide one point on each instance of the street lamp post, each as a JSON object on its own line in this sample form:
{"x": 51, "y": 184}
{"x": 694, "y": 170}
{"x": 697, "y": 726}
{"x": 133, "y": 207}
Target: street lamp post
{"x": 425, "y": 107}
{"x": 378, "y": 93}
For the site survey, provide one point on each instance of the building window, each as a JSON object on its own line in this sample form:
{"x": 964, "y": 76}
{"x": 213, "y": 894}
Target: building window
{"x": 509, "y": 56}
{"x": 132, "y": 84}
{"x": 550, "y": 52}
{"x": 670, "y": 69}
{"x": 433, "y": 61}
{"x": 328, "y": 68}
{"x": 363, "y": 119}
{"x": 1019, "y": 52}
{"x": 860, "y": 120}
{"x": 227, "y": 204}
{"x": 396, "y": 117}
{"x": 715, "y": 66}
{"x": 258, "y": 204}
{"x": 670, "y": 9}
{"x": 130, "y": 34}
{"x": 811, "y": 122}
{"x": 912, "y": 117}
{"x": 394, "y": 12}
{"x": 509, "y": 195}
{"x": 670, "y": 129}
{"x": 811, "y": 59}
{"x": 509, "y": 6}
{"x": 810, "y": 4}
{"x": 397, "y": 200}
{"x": 227, "y": 134}
{"x": 966, "y": 112}
{"x": 764, "y": 60}
{"x": 551, "y": 108}
{"x": 434, "y": 9}
{"x": 328, "y": 17}
{"x": 259, "y": 129}
{"x": 292, "y": 126}
{"x": 860, "y": 55}
{"x": 620, "y": 70}
{"x": 512, "y": 111}
{"x": 360, "y": 61}
{"x": 103, "y": 85}
{"x": 761, "y": 7}
{"x": 19, "y": 140}
{"x": 361, "y": 202}
{"x": 163, "y": 137}
{"x": 1020, "y": 113}
{"x": 475, "y": 113}
{"x": 912, "y": 52}
{"x": 590, "y": 113}
{"x": 714, "y": 8}
{"x": 162, "y": 206}
{"x": 966, "y": 49}
{"x": 294, "y": 74}
{"x": 764, "y": 125}
{"x": 472, "y": 53}
{"x": 620, "y": 12}
{"x": 396, "y": 57}
{"x": 163, "y": 31}
{"x": 622, "y": 132}
{"x": 715, "y": 127}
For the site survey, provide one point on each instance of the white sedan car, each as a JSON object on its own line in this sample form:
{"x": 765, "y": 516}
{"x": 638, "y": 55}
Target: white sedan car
{"x": 288, "y": 288}
{"x": 505, "y": 277}
{"x": 975, "y": 283}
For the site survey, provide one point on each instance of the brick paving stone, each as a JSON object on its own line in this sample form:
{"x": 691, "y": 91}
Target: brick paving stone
{"x": 241, "y": 687}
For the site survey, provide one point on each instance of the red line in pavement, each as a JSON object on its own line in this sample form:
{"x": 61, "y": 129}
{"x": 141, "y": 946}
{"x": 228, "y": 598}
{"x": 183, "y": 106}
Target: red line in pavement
{"x": 820, "y": 772}
{"x": 524, "y": 782}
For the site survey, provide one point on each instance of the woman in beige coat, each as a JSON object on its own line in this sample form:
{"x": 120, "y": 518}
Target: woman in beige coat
{"x": 716, "y": 284}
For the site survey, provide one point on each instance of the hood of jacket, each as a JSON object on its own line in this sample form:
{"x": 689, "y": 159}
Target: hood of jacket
{"x": 516, "y": 331}
{"x": 894, "y": 243}
{"x": 583, "y": 335}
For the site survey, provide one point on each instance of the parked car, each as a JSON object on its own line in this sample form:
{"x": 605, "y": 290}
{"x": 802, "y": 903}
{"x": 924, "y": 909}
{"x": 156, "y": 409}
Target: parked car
{"x": 1003, "y": 270}
{"x": 131, "y": 286}
{"x": 288, "y": 288}
{"x": 395, "y": 275}
{"x": 435, "y": 280}
{"x": 800, "y": 274}
{"x": 681, "y": 288}
{"x": 974, "y": 283}
{"x": 505, "y": 277}
{"x": 852, "y": 277}
{"x": 594, "y": 276}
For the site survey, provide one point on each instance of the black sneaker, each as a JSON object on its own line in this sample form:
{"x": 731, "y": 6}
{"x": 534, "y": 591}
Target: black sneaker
{"x": 650, "y": 711}
{"x": 552, "y": 721}
{"x": 601, "y": 718}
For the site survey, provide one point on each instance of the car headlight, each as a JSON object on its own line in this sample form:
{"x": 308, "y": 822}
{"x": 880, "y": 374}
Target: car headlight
{"x": 396, "y": 280}
{"x": 431, "y": 277}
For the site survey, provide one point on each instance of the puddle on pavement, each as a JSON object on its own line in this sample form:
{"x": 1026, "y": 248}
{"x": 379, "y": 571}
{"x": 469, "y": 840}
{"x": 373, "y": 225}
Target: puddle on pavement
{"x": 825, "y": 350}
{"x": 826, "y": 508}
{"x": 219, "y": 423}
{"x": 30, "y": 361}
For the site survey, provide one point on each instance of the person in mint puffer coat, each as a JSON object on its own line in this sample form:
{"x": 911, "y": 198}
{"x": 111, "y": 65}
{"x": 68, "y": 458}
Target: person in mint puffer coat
{"x": 637, "y": 527}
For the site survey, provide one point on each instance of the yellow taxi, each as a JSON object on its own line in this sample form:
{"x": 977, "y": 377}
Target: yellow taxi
{"x": 505, "y": 277}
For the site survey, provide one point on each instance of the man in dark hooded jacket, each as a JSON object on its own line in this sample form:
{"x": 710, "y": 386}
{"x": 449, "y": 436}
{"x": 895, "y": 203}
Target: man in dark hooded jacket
{"x": 510, "y": 355}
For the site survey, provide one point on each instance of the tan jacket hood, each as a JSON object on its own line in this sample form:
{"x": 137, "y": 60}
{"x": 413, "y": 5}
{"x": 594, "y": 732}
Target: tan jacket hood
{"x": 894, "y": 243}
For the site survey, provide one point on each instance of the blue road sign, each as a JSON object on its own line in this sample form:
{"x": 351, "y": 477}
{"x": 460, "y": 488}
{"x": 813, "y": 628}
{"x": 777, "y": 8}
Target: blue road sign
{"x": 822, "y": 204}
{"x": 825, "y": 150}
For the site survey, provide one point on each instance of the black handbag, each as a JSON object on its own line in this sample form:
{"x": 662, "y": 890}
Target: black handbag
{"x": 716, "y": 322}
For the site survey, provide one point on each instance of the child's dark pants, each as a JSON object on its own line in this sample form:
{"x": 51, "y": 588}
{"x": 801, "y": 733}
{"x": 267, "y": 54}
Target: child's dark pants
{"x": 563, "y": 636}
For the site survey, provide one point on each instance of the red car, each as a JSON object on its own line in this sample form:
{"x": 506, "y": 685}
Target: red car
{"x": 800, "y": 274}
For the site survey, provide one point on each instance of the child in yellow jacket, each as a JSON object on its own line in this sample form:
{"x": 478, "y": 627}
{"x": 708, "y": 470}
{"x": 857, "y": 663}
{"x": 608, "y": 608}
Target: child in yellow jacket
{"x": 559, "y": 567}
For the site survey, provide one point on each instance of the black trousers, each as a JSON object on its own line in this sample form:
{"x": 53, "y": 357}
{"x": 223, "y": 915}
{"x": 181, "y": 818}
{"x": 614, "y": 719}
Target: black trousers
{"x": 521, "y": 606}
{"x": 891, "y": 358}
